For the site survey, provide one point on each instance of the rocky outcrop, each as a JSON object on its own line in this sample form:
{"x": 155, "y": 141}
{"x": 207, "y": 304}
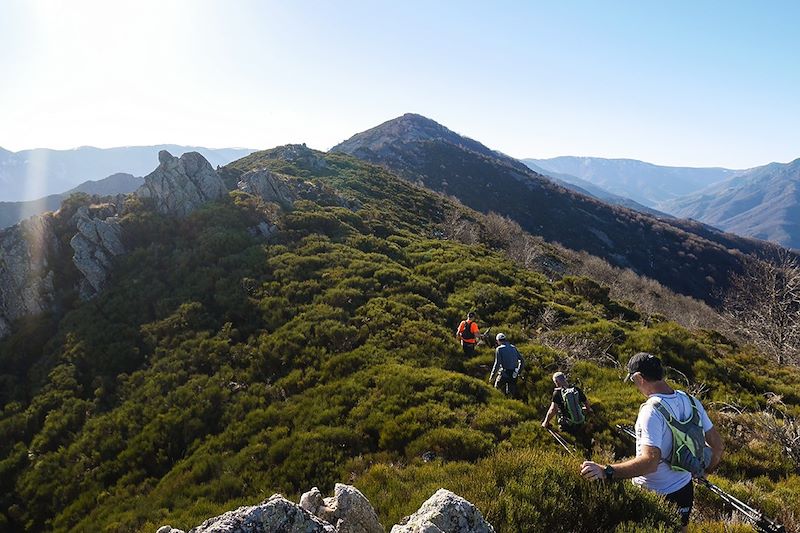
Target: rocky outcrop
{"x": 444, "y": 512}
{"x": 347, "y": 511}
{"x": 98, "y": 240}
{"x": 270, "y": 186}
{"x": 301, "y": 155}
{"x": 26, "y": 275}
{"x": 180, "y": 185}
{"x": 284, "y": 190}
{"x": 30, "y": 250}
{"x": 275, "y": 514}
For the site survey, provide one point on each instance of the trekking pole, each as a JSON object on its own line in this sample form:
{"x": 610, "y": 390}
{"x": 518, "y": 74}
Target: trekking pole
{"x": 482, "y": 337}
{"x": 761, "y": 523}
{"x": 561, "y": 441}
{"x": 626, "y": 430}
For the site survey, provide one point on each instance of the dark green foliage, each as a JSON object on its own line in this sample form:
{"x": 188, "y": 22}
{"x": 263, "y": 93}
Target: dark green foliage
{"x": 522, "y": 490}
{"x": 218, "y": 369}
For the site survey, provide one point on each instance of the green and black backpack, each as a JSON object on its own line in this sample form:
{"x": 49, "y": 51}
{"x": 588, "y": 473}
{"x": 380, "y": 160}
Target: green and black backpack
{"x": 690, "y": 453}
{"x": 573, "y": 413}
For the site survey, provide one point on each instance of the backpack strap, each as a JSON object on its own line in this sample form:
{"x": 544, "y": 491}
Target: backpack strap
{"x": 682, "y": 430}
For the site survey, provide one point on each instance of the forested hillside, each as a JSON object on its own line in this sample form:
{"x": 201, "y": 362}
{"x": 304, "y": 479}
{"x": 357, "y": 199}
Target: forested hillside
{"x": 219, "y": 366}
{"x": 689, "y": 258}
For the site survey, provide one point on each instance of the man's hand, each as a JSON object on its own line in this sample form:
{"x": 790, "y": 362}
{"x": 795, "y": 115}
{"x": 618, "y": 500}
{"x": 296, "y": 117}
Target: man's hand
{"x": 593, "y": 471}
{"x": 545, "y": 425}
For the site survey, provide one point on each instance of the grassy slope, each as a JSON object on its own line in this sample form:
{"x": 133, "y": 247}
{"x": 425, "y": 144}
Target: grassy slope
{"x": 218, "y": 369}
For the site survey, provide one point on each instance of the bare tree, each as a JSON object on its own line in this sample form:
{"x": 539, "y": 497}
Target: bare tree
{"x": 763, "y": 304}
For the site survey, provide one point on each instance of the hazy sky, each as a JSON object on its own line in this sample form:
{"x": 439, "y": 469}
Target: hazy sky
{"x": 694, "y": 83}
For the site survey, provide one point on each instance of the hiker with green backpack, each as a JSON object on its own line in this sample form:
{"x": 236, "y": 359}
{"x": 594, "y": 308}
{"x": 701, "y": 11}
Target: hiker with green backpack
{"x": 571, "y": 406}
{"x": 675, "y": 440}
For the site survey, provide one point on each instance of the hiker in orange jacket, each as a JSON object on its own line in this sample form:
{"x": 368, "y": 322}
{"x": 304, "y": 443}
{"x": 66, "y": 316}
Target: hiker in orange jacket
{"x": 468, "y": 333}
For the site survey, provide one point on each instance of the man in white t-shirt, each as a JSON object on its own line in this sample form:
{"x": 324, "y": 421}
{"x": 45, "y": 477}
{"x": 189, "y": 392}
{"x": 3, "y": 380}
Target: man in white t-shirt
{"x": 654, "y": 439}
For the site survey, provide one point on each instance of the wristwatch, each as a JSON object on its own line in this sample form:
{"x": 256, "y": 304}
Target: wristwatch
{"x": 609, "y": 471}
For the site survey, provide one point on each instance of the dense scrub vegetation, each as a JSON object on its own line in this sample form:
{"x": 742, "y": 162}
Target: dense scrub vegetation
{"x": 219, "y": 368}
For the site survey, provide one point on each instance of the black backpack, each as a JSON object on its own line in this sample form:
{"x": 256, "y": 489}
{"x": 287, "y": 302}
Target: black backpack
{"x": 467, "y": 334}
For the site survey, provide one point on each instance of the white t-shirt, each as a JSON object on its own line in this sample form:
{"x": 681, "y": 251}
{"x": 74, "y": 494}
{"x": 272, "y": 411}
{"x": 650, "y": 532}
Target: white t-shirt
{"x": 652, "y": 430}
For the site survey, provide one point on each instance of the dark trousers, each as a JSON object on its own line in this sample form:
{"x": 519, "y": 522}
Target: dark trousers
{"x": 581, "y": 433}
{"x": 507, "y": 383}
{"x": 469, "y": 349}
{"x": 684, "y": 499}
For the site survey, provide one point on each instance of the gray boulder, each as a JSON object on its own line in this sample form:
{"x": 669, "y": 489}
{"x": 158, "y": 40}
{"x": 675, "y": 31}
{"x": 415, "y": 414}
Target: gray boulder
{"x": 169, "y": 529}
{"x": 444, "y": 512}
{"x": 273, "y": 515}
{"x": 180, "y": 185}
{"x": 270, "y": 186}
{"x": 97, "y": 241}
{"x": 302, "y": 156}
{"x": 26, "y": 276}
{"x": 284, "y": 190}
{"x": 348, "y": 509}
{"x": 313, "y": 502}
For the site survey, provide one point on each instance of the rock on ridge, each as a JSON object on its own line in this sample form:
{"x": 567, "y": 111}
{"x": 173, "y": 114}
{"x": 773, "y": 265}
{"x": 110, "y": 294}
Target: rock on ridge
{"x": 178, "y": 186}
{"x": 284, "y": 190}
{"x": 98, "y": 240}
{"x": 26, "y": 276}
{"x": 275, "y": 514}
{"x": 270, "y": 186}
{"x": 300, "y": 155}
{"x": 348, "y": 509}
{"x": 445, "y": 512}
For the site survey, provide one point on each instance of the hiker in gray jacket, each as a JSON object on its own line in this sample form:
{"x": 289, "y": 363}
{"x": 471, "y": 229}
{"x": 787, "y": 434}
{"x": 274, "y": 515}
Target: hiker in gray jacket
{"x": 507, "y": 366}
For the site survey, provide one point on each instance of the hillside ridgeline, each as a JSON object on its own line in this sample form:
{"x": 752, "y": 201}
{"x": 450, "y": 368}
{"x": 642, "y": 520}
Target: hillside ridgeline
{"x": 690, "y": 262}
{"x": 297, "y": 331}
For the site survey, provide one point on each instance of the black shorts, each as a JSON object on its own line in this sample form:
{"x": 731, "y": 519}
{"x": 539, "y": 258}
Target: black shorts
{"x": 684, "y": 499}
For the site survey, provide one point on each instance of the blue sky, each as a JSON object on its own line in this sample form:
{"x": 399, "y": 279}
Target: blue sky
{"x": 678, "y": 83}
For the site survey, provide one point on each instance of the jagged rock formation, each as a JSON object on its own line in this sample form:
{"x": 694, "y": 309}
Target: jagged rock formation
{"x": 29, "y": 249}
{"x": 274, "y": 514}
{"x": 180, "y": 185}
{"x": 444, "y": 512}
{"x": 301, "y": 155}
{"x": 347, "y": 511}
{"x": 26, "y": 275}
{"x": 270, "y": 186}
{"x": 98, "y": 240}
{"x": 284, "y": 190}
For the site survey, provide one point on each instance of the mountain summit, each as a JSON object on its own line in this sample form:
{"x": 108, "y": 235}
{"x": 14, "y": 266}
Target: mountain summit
{"x": 401, "y": 133}
{"x": 687, "y": 257}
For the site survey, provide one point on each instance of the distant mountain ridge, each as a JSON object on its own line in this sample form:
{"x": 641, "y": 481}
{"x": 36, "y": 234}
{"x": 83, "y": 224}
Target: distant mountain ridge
{"x": 30, "y": 174}
{"x": 763, "y": 202}
{"x": 587, "y": 187}
{"x": 687, "y": 257}
{"x": 642, "y": 182}
{"x": 120, "y": 183}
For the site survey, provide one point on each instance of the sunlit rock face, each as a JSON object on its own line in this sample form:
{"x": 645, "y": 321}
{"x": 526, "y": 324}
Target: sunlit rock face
{"x": 179, "y": 185}
{"x": 98, "y": 240}
{"x": 26, "y": 274}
